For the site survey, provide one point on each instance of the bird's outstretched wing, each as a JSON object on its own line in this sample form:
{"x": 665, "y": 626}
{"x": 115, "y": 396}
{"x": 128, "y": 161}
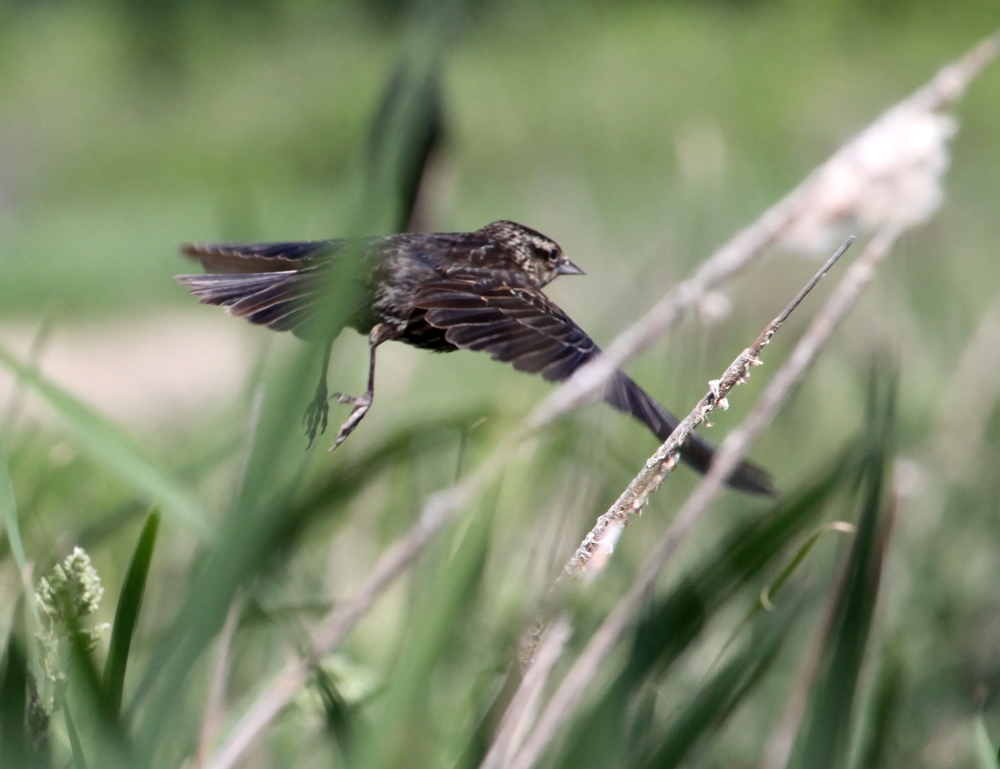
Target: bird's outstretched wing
{"x": 518, "y": 325}
{"x": 522, "y": 326}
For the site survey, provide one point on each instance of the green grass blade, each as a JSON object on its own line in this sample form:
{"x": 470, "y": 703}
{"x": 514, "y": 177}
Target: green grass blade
{"x": 254, "y": 548}
{"x": 986, "y": 756}
{"x": 76, "y": 744}
{"x": 674, "y": 621}
{"x": 718, "y": 697}
{"x": 413, "y": 98}
{"x": 881, "y": 713}
{"x": 448, "y": 603}
{"x": 825, "y": 736}
{"x": 114, "y": 451}
{"x": 338, "y": 713}
{"x": 786, "y": 574}
{"x": 8, "y": 509}
{"x": 745, "y": 553}
{"x": 8, "y": 514}
{"x": 97, "y": 732}
{"x": 127, "y": 614}
{"x": 14, "y": 744}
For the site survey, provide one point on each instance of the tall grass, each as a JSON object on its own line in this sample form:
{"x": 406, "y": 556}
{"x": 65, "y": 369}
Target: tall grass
{"x": 770, "y": 641}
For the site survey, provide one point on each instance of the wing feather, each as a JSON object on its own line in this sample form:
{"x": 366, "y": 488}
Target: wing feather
{"x": 523, "y": 327}
{"x": 278, "y": 300}
{"x": 259, "y": 257}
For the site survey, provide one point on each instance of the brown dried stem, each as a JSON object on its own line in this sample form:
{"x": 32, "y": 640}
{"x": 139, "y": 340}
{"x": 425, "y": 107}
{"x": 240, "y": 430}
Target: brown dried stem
{"x": 517, "y": 719}
{"x": 215, "y": 703}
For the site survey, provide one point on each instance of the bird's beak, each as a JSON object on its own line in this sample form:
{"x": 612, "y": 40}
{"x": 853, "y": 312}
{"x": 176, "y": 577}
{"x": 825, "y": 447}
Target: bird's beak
{"x": 568, "y": 268}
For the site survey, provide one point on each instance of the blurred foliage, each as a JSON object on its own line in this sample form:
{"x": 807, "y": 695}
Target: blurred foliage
{"x": 639, "y": 135}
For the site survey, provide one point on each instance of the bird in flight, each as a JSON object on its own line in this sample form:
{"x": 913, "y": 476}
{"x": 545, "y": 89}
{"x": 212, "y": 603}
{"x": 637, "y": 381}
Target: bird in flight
{"x": 440, "y": 291}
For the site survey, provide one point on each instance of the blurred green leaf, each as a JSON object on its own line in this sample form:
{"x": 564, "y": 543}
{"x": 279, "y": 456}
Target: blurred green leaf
{"x": 76, "y": 744}
{"x": 674, "y": 621}
{"x": 114, "y": 451}
{"x": 413, "y": 101}
{"x": 876, "y": 724}
{"x": 264, "y": 520}
{"x": 397, "y": 737}
{"x": 716, "y": 698}
{"x": 825, "y": 735}
{"x": 985, "y": 752}
{"x": 8, "y": 508}
{"x": 127, "y": 614}
{"x": 92, "y": 724}
{"x": 787, "y": 572}
{"x": 254, "y": 548}
{"x": 338, "y": 712}
{"x": 15, "y": 745}
{"x": 8, "y": 514}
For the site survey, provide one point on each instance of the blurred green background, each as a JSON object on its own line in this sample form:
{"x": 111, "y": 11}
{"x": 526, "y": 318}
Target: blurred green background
{"x": 639, "y": 135}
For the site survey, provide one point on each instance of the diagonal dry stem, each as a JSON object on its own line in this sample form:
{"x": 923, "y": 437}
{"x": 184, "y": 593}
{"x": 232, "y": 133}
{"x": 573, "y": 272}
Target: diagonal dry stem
{"x": 596, "y": 547}
{"x": 523, "y": 708}
{"x": 215, "y": 703}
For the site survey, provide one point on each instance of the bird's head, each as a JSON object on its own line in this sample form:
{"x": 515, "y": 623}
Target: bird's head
{"x": 540, "y": 257}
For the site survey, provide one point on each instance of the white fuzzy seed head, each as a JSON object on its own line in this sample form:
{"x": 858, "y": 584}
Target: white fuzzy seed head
{"x": 890, "y": 175}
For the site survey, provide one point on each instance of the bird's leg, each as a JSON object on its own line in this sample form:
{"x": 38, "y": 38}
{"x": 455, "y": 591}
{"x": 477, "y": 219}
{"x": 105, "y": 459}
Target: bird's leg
{"x": 380, "y": 333}
{"x": 316, "y": 412}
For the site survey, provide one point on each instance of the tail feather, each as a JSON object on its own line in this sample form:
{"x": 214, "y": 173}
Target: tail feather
{"x": 277, "y": 300}
{"x": 625, "y": 395}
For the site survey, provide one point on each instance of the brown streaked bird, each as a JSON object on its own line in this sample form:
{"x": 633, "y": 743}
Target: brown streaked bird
{"x": 440, "y": 291}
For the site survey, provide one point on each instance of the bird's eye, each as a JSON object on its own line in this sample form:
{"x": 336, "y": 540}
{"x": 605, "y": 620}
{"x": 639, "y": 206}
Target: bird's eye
{"x": 553, "y": 253}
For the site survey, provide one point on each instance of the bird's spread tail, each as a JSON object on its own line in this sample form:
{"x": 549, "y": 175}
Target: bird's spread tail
{"x": 625, "y": 395}
{"x": 278, "y": 300}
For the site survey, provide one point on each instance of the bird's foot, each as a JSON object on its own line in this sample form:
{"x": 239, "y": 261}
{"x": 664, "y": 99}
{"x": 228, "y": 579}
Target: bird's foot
{"x": 361, "y": 405}
{"x": 315, "y": 418}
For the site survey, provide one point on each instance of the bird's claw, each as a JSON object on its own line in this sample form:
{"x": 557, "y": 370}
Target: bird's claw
{"x": 354, "y": 400}
{"x": 361, "y": 405}
{"x": 315, "y": 418}
{"x": 317, "y": 412}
